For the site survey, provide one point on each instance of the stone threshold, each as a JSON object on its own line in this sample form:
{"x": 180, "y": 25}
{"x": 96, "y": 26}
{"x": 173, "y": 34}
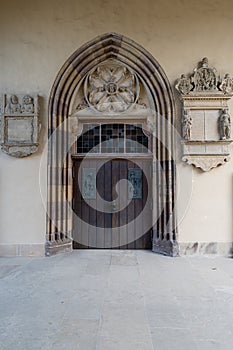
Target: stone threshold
{"x": 185, "y": 248}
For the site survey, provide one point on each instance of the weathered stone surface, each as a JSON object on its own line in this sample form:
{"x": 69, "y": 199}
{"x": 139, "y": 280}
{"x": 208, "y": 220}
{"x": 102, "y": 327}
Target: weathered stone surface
{"x": 206, "y": 248}
{"x": 205, "y": 116}
{"x": 111, "y": 88}
{"x": 206, "y": 162}
{"x": 158, "y": 303}
{"x": 19, "y": 125}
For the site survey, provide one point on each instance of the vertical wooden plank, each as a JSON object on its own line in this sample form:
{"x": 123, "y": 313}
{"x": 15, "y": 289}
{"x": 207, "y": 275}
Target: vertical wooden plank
{"x": 108, "y": 198}
{"x": 123, "y": 234}
{"x": 92, "y": 215}
{"x": 130, "y": 218}
{"x": 147, "y": 197}
{"x": 138, "y": 206}
{"x": 115, "y": 200}
{"x": 100, "y": 215}
{"x": 76, "y": 206}
{"x": 85, "y": 209}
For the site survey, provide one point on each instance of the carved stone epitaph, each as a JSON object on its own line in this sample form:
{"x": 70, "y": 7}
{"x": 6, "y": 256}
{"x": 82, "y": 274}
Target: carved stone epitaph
{"x": 205, "y": 122}
{"x": 19, "y": 125}
{"x": 204, "y": 79}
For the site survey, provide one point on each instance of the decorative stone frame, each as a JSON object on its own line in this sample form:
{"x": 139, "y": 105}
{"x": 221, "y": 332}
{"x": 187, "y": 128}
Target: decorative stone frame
{"x": 204, "y": 96}
{"x": 90, "y": 55}
{"x": 19, "y": 120}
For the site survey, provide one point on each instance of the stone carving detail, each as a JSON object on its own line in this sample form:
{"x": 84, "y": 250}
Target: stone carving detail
{"x": 225, "y": 125}
{"x": 186, "y": 125}
{"x": 205, "y": 122}
{"x": 204, "y": 80}
{"x": 13, "y": 106}
{"x": 111, "y": 88}
{"x": 82, "y": 105}
{"x": 28, "y": 104}
{"x": 227, "y": 84}
{"x": 206, "y": 163}
{"x": 184, "y": 85}
{"x": 141, "y": 104}
{"x": 19, "y": 125}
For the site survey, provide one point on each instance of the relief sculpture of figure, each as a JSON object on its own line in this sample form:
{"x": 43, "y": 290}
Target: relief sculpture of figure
{"x": 14, "y": 105}
{"x": 28, "y": 105}
{"x": 186, "y": 125}
{"x": 227, "y": 84}
{"x": 225, "y": 125}
{"x": 205, "y": 78}
{"x": 184, "y": 85}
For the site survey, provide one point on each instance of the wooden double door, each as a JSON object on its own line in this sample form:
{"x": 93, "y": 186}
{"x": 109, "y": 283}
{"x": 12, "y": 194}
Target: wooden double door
{"x": 112, "y": 203}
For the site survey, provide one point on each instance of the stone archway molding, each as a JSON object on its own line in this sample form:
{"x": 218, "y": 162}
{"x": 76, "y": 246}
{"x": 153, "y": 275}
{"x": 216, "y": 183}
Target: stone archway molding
{"x": 59, "y": 194}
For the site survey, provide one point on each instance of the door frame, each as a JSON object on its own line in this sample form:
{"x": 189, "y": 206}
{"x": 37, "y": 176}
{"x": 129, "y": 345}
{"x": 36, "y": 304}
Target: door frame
{"x": 160, "y": 123}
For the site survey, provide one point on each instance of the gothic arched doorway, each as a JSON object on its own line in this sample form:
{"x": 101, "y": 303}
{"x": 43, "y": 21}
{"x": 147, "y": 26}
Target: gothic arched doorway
{"x": 111, "y": 81}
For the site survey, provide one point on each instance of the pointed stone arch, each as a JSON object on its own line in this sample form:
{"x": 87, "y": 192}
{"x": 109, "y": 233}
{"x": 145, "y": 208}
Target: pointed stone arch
{"x": 126, "y": 51}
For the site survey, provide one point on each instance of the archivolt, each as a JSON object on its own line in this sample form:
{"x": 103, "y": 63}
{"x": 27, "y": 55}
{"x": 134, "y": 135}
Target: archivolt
{"x": 98, "y": 50}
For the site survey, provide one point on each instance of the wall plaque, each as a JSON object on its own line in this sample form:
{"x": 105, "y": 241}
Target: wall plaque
{"x": 205, "y": 120}
{"x": 19, "y": 124}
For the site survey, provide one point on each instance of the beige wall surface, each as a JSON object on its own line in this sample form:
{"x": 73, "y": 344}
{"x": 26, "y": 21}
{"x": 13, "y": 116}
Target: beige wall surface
{"x": 36, "y": 39}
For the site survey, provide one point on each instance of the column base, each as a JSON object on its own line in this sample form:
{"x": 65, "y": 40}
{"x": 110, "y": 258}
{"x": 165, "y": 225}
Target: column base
{"x": 165, "y": 247}
{"x": 53, "y": 248}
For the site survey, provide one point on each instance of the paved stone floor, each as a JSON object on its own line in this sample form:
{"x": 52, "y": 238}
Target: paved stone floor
{"x": 116, "y": 300}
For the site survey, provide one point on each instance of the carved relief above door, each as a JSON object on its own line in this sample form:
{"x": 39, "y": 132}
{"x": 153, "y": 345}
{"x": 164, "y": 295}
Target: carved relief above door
{"x": 111, "y": 88}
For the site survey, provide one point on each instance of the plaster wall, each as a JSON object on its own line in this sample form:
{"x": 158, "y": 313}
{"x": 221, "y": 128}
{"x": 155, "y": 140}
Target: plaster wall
{"x": 36, "y": 39}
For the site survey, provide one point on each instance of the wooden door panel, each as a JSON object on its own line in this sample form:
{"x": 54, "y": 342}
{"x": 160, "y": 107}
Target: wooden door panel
{"x": 123, "y": 232}
{"x": 107, "y": 197}
{"x": 117, "y": 228}
{"x": 100, "y": 218}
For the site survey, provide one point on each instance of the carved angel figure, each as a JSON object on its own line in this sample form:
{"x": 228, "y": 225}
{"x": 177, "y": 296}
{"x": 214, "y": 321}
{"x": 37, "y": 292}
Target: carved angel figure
{"x": 227, "y": 84}
{"x": 186, "y": 125}
{"x": 225, "y": 125}
{"x": 111, "y": 88}
{"x": 184, "y": 85}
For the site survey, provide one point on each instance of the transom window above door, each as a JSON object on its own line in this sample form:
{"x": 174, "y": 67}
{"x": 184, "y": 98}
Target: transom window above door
{"x": 113, "y": 138}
